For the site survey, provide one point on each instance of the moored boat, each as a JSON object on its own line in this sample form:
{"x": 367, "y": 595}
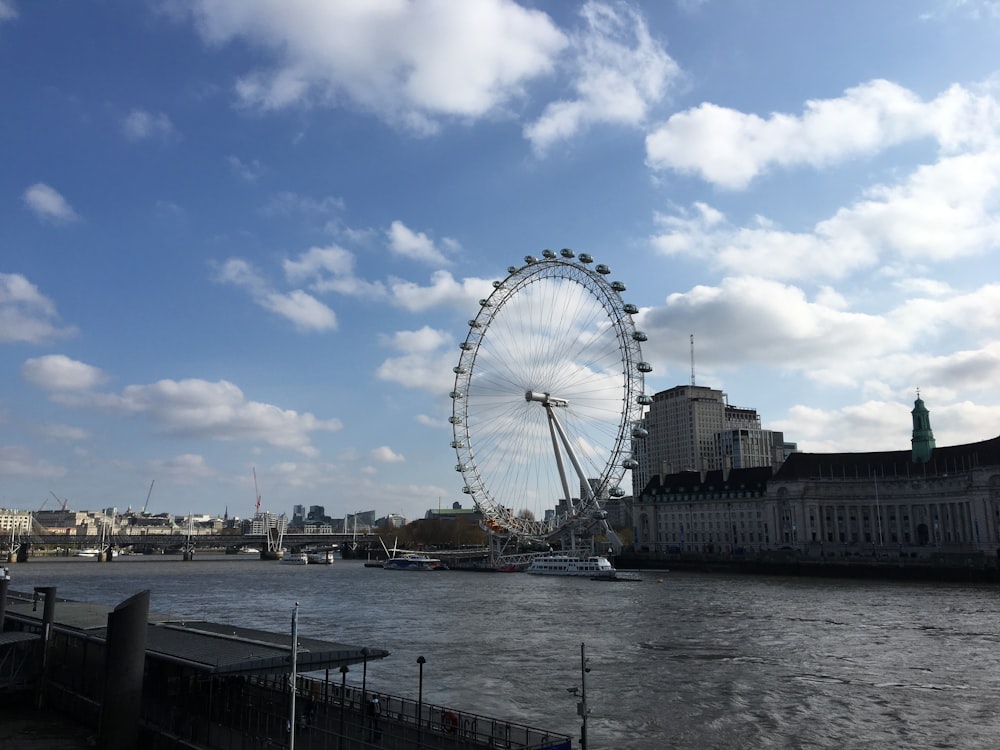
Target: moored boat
{"x": 300, "y": 558}
{"x": 555, "y": 564}
{"x": 413, "y": 562}
{"x": 320, "y": 557}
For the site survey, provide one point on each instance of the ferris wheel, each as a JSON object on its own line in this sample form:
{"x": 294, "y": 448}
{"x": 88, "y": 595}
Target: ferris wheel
{"x": 548, "y": 396}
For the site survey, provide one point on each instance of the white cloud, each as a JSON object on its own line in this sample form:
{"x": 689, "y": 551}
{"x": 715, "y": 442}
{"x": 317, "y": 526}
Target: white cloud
{"x": 8, "y": 11}
{"x": 385, "y": 454}
{"x": 292, "y": 204}
{"x": 26, "y": 315}
{"x": 410, "y": 63}
{"x": 304, "y": 310}
{"x": 426, "y": 339}
{"x": 297, "y": 306}
{"x": 406, "y": 243}
{"x": 63, "y": 432}
{"x": 19, "y": 462}
{"x": 185, "y": 468}
{"x": 331, "y": 269}
{"x": 247, "y": 171}
{"x": 619, "y": 71}
{"x": 730, "y": 148}
{"x": 426, "y": 360}
{"x": 57, "y": 372}
{"x": 140, "y": 125}
{"x": 749, "y": 322}
{"x": 443, "y": 290}
{"x": 218, "y": 410}
{"x": 940, "y": 212}
{"x": 48, "y": 204}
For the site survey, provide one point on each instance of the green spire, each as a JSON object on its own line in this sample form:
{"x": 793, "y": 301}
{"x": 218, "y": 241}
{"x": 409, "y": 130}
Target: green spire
{"x": 923, "y": 436}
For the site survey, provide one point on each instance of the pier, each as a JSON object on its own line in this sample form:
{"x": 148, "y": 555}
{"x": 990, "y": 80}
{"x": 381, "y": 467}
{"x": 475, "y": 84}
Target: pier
{"x": 146, "y": 680}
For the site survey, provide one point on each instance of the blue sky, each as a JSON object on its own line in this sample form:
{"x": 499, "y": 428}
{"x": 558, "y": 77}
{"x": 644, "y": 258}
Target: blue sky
{"x": 250, "y": 233}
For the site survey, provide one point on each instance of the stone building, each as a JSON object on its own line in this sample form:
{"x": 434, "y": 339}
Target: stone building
{"x": 928, "y": 501}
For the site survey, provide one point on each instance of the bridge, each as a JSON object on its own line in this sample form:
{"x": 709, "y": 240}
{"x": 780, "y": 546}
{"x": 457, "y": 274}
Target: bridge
{"x": 350, "y": 544}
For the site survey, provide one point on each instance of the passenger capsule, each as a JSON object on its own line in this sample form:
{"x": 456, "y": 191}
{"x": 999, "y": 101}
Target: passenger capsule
{"x": 630, "y": 308}
{"x": 459, "y": 370}
{"x": 602, "y": 269}
{"x": 585, "y": 258}
{"x": 460, "y": 467}
{"x": 548, "y": 254}
{"x": 616, "y": 492}
{"x": 567, "y": 253}
{"x": 474, "y": 324}
{"x": 639, "y": 336}
{"x": 468, "y": 491}
{"x": 457, "y": 395}
{"x": 455, "y": 420}
{"x": 466, "y": 346}
{"x": 485, "y": 303}
{"x": 643, "y": 367}
{"x": 618, "y": 286}
{"x": 498, "y": 285}
{"x": 511, "y": 269}
{"x": 628, "y": 463}
{"x": 643, "y": 399}
{"x": 457, "y": 444}
{"x": 529, "y": 259}
{"x": 640, "y": 432}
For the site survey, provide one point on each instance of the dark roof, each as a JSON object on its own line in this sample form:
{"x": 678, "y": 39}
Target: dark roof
{"x": 889, "y": 464}
{"x": 754, "y": 478}
{"x": 210, "y": 648}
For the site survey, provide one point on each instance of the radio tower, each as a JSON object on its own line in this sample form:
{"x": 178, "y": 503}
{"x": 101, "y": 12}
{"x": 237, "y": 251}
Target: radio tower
{"x": 692, "y": 359}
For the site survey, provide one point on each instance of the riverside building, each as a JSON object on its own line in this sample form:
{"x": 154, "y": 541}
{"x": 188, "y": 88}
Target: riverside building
{"x": 926, "y": 503}
{"x": 694, "y": 428}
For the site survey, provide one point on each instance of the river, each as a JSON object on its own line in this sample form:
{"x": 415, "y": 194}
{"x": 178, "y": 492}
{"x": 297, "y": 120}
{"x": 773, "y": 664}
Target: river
{"x": 677, "y": 660}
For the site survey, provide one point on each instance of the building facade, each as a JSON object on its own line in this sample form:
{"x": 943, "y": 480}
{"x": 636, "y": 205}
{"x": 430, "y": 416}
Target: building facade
{"x": 926, "y": 502}
{"x": 694, "y": 428}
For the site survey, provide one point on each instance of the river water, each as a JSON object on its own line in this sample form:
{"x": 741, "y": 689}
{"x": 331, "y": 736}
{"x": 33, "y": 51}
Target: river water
{"x": 677, "y": 660}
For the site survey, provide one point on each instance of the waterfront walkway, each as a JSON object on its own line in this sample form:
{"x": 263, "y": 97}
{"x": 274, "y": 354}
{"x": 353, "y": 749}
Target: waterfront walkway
{"x": 23, "y": 728}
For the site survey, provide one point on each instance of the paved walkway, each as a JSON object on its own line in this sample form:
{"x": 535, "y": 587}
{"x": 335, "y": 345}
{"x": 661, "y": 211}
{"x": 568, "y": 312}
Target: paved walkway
{"x": 26, "y": 729}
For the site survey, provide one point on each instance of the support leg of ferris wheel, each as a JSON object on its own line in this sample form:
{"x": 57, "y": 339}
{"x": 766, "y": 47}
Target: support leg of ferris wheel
{"x": 588, "y": 498}
{"x": 558, "y": 454}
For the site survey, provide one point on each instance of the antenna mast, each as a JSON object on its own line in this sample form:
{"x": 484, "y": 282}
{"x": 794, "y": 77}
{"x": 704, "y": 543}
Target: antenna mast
{"x": 692, "y": 359}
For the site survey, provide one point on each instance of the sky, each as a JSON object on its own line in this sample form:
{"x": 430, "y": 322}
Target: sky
{"x": 244, "y": 236}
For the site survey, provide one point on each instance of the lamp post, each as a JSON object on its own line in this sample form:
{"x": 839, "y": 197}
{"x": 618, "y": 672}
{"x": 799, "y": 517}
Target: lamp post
{"x": 364, "y": 678}
{"x": 581, "y": 693}
{"x": 420, "y": 701}
{"x": 343, "y": 696}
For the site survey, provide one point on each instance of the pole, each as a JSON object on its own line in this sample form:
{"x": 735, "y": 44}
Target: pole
{"x": 364, "y": 679}
{"x": 582, "y": 708}
{"x": 420, "y": 701}
{"x": 343, "y": 697}
{"x": 295, "y": 656}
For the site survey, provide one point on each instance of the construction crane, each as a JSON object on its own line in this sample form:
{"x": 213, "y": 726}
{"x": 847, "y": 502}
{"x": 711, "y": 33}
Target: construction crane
{"x": 62, "y": 503}
{"x": 146, "y": 504}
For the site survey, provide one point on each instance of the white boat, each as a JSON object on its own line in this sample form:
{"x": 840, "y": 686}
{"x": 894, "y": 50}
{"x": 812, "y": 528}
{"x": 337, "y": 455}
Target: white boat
{"x": 295, "y": 559}
{"x": 565, "y": 565}
{"x": 92, "y": 552}
{"x": 320, "y": 557}
{"x": 413, "y": 561}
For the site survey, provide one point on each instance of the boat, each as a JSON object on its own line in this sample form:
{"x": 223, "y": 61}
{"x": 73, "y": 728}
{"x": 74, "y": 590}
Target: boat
{"x": 88, "y": 552}
{"x": 596, "y": 566}
{"x": 413, "y": 561}
{"x": 320, "y": 557}
{"x": 295, "y": 558}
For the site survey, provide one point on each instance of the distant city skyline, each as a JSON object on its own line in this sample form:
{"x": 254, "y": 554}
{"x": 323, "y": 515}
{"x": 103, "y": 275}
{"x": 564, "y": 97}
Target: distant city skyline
{"x": 252, "y": 241}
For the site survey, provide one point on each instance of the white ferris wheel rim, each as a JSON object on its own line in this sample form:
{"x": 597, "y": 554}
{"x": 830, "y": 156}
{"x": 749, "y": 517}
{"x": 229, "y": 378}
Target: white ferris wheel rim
{"x": 558, "y": 329}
